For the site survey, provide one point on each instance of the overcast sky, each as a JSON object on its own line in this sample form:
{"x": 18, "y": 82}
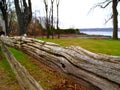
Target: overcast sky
{"x": 74, "y": 13}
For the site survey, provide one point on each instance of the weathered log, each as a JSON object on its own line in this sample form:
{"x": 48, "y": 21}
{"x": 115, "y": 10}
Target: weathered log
{"x": 97, "y": 71}
{"x": 25, "y": 80}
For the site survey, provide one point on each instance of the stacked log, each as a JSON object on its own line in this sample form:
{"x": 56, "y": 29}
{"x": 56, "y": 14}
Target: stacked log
{"x": 96, "y": 71}
{"x": 25, "y": 80}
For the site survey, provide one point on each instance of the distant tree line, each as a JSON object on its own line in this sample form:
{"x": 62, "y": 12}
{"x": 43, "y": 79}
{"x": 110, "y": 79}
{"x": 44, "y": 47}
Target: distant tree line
{"x": 21, "y": 16}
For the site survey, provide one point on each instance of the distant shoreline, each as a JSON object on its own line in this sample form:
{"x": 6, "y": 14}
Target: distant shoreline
{"x": 83, "y": 35}
{"x": 99, "y": 31}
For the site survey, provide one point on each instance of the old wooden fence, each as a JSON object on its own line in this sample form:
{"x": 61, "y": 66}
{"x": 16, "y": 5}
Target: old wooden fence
{"x": 97, "y": 72}
{"x": 25, "y": 80}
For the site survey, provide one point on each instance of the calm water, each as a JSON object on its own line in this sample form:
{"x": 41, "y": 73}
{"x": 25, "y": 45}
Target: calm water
{"x": 99, "y": 31}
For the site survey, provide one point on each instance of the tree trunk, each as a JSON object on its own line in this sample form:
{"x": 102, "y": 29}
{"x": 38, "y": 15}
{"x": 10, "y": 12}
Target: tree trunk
{"x": 115, "y": 19}
{"x": 6, "y": 23}
{"x": 58, "y": 19}
{"x": 52, "y": 27}
{"x": 3, "y": 9}
{"x": 47, "y": 23}
{"x": 95, "y": 71}
{"x": 24, "y": 15}
{"x": 46, "y": 19}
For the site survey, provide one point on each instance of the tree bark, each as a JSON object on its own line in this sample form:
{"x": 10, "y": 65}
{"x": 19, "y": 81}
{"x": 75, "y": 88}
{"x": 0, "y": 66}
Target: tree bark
{"x": 52, "y": 19}
{"x": 24, "y": 15}
{"x": 3, "y": 8}
{"x": 58, "y": 1}
{"x": 115, "y": 19}
{"x": 46, "y": 19}
{"x": 95, "y": 71}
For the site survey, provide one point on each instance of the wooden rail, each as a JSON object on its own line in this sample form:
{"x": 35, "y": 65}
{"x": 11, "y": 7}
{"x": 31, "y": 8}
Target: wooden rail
{"x": 26, "y": 81}
{"x": 97, "y": 72}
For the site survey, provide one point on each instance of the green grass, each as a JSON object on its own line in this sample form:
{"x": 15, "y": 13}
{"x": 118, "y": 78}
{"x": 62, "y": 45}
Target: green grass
{"x": 48, "y": 78}
{"x": 40, "y": 72}
{"x": 8, "y": 80}
{"x": 111, "y": 47}
{"x": 4, "y": 64}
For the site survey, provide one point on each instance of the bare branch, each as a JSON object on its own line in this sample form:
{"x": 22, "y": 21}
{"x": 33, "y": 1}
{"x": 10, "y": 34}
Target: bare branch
{"x": 57, "y": 2}
{"x": 103, "y": 4}
{"x": 106, "y": 21}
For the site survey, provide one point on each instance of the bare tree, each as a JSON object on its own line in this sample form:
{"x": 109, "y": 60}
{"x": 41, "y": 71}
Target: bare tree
{"x": 52, "y": 20}
{"x": 12, "y": 18}
{"x": 47, "y": 21}
{"x": 115, "y": 19}
{"x": 49, "y": 17}
{"x": 114, "y": 16}
{"x": 57, "y": 3}
{"x": 24, "y": 15}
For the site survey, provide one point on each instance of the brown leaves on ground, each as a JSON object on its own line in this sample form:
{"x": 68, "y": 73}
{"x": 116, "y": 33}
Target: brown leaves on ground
{"x": 55, "y": 80}
{"x": 7, "y": 82}
{"x": 47, "y": 77}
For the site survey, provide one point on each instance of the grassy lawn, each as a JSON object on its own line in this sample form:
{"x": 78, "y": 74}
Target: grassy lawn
{"x": 7, "y": 77}
{"x": 48, "y": 78}
{"x": 111, "y": 47}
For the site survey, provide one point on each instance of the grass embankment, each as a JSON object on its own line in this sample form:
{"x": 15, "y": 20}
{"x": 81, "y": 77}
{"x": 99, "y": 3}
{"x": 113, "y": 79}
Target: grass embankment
{"x": 110, "y": 47}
